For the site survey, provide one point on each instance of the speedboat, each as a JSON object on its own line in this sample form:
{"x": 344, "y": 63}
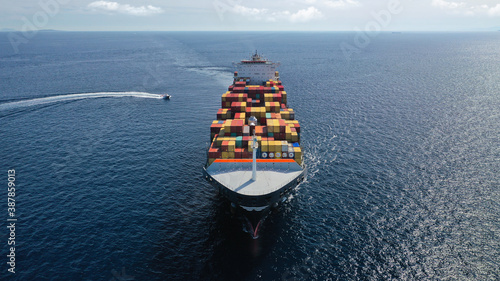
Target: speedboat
{"x": 166, "y": 96}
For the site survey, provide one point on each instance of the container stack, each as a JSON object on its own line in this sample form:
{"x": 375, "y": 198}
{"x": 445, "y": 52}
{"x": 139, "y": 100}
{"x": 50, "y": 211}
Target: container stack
{"x": 277, "y": 131}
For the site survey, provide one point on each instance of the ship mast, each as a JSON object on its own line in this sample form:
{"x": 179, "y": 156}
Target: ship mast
{"x": 255, "y": 145}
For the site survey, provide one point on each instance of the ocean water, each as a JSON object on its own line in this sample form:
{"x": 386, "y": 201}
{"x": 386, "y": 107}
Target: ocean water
{"x": 401, "y": 139}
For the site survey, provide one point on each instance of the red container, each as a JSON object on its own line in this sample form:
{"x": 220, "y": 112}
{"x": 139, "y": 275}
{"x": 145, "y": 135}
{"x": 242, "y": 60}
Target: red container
{"x": 214, "y": 153}
{"x": 246, "y": 140}
{"x": 215, "y": 128}
{"x": 297, "y": 127}
{"x": 225, "y": 146}
{"x": 238, "y": 127}
{"x": 258, "y": 130}
{"x": 246, "y": 154}
{"x": 219, "y": 114}
{"x": 238, "y": 90}
{"x": 238, "y": 153}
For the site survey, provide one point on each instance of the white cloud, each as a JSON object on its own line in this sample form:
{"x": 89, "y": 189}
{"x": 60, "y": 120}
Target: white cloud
{"x": 494, "y": 11}
{"x": 306, "y": 15}
{"x": 462, "y": 8}
{"x": 245, "y": 11}
{"x": 114, "y": 7}
{"x": 447, "y": 5}
{"x": 303, "y": 15}
{"x": 341, "y": 4}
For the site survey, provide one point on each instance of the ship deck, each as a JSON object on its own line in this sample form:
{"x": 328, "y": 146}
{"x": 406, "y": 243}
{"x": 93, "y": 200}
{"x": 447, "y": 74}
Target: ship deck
{"x": 272, "y": 175}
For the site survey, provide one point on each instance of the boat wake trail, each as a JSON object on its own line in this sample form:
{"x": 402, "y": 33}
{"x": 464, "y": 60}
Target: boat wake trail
{"x": 71, "y": 97}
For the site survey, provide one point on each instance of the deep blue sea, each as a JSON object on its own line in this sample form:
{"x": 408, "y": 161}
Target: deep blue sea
{"x": 401, "y": 139}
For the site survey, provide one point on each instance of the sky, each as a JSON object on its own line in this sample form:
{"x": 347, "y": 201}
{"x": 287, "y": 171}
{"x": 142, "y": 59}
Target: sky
{"x": 256, "y": 15}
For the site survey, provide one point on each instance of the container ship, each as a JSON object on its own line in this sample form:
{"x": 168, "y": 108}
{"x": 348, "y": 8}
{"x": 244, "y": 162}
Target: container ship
{"x": 255, "y": 157}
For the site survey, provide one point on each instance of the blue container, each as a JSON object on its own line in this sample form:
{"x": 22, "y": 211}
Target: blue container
{"x": 296, "y": 144}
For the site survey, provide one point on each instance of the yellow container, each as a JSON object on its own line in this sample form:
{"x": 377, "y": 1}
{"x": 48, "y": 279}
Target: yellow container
{"x": 227, "y": 126}
{"x": 298, "y": 152}
{"x": 231, "y": 146}
{"x": 270, "y": 146}
{"x": 222, "y": 132}
{"x": 231, "y": 155}
{"x": 295, "y": 137}
{"x": 277, "y": 146}
{"x": 276, "y": 126}
{"x": 210, "y": 161}
{"x": 225, "y": 155}
{"x": 265, "y": 146}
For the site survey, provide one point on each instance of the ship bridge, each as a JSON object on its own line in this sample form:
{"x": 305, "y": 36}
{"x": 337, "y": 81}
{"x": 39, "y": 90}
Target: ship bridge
{"x": 257, "y": 70}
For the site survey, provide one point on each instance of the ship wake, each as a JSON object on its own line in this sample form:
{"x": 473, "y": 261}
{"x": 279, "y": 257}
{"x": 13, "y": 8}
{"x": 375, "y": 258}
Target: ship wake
{"x": 71, "y": 97}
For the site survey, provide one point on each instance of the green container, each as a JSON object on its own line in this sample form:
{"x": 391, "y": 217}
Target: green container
{"x": 239, "y": 142}
{"x": 268, "y": 115}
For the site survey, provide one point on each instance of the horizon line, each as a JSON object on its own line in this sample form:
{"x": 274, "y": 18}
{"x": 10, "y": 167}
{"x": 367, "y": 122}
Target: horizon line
{"x": 382, "y": 31}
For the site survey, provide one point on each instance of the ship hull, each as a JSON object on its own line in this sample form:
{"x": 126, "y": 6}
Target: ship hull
{"x": 267, "y": 197}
